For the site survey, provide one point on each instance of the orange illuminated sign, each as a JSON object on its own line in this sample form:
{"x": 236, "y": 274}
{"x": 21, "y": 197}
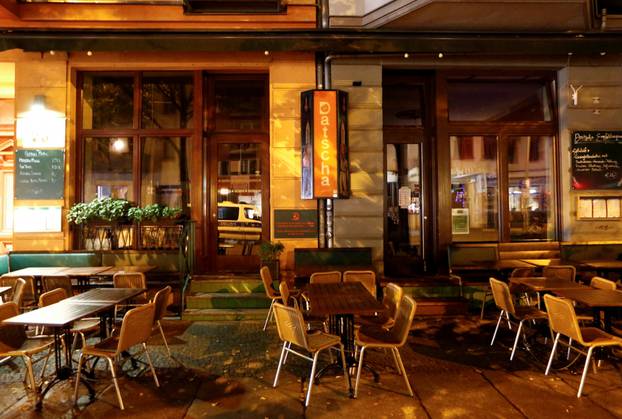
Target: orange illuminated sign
{"x": 325, "y": 144}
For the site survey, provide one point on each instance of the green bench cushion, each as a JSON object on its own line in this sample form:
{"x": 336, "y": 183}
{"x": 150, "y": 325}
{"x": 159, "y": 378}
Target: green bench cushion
{"x": 164, "y": 261}
{"x": 27, "y": 260}
{"x": 4, "y": 264}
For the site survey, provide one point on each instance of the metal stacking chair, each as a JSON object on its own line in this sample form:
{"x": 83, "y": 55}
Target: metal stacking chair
{"x": 266, "y": 278}
{"x": 563, "y": 321}
{"x": 79, "y": 327}
{"x": 325, "y": 277}
{"x": 393, "y": 338}
{"x": 391, "y": 298}
{"x": 291, "y": 327}
{"x": 367, "y": 278}
{"x": 602, "y": 284}
{"x": 135, "y": 330}
{"x": 57, "y": 281}
{"x": 27, "y": 295}
{"x": 568, "y": 272}
{"x": 161, "y": 302}
{"x": 15, "y": 343}
{"x": 505, "y": 303}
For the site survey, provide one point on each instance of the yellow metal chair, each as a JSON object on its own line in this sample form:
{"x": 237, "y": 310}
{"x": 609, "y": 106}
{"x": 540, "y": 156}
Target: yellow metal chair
{"x": 266, "y": 278}
{"x": 27, "y": 296}
{"x": 602, "y": 284}
{"x": 160, "y": 301}
{"x": 505, "y": 303}
{"x": 131, "y": 280}
{"x": 393, "y": 338}
{"x": 136, "y": 329}
{"x": 568, "y": 272}
{"x": 292, "y": 331}
{"x": 391, "y": 298}
{"x": 15, "y": 343}
{"x": 50, "y": 283}
{"x": 329, "y": 277}
{"x": 563, "y": 321}
{"x": 367, "y": 278}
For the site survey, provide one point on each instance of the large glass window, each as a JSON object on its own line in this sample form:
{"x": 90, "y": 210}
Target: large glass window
{"x": 474, "y": 200}
{"x": 121, "y": 160}
{"x": 531, "y": 188}
{"x": 239, "y": 105}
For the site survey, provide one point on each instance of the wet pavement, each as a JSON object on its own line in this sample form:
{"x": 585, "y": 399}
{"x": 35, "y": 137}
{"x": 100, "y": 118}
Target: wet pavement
{"x": 225, "y": 370}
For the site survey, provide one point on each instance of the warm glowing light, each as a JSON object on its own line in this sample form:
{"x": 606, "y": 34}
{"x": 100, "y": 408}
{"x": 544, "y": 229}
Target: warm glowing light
{"x": 119, "y": 145}
{"x": 89, "y": 53}
{"x": 406, "y": 55}
{"x": 52, "y": 52}
{"x": 224, "y": 191}
{"x": 440, "y": 55}
{"x": 38, "y": 104}
{"x": 266, "y": 52}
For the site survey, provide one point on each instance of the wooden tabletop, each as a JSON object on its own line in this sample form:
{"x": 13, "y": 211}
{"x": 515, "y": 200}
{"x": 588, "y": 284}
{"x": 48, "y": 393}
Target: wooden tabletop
{"x": 548, "y": 284}
{"x": 37, "y": 271}
{"x": 543, "y": 262}
{"x": 341, "y": 298}
{"x": 134, "y": 268}
{"x": 602, "y": 264}
{"x": 593, "y": 297}
{"x": 110, "y": 296}
{"x": 71, "y": 309}
{"x": 4, "y": 290}
{"x": 493, "y": 265}
{"x": 84, "y": 270}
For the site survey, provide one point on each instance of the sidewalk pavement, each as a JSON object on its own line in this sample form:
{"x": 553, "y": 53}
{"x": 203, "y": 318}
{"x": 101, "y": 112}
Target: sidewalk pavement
{"x": 225, "y": 370}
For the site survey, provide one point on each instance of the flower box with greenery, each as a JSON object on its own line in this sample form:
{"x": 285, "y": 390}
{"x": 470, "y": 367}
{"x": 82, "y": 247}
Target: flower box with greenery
{"x": 110, "y": 224}
{"x": 269, "y": 253}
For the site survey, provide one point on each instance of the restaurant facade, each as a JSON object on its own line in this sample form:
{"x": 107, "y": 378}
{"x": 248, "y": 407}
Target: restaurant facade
{"x": 492, "y": 131}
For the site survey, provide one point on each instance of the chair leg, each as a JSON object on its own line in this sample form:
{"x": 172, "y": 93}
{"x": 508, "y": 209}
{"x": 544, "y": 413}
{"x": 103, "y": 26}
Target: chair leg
{"x": 311, "y": 378}
{"x": 116, "y": 383}
{"x": 78, "y": 374}
{"x": 164, "y": 338}
{"x": 358, "y": 372}
{"x": 520, "y": 326}
{"x": 548, "y": 366}
{"x": 155, "y": 377}
{"x": 397, "y": 364}
{"x": 569, "y": 347}
{"x": 481, "y": 315}
{"x": 265, "y": 325}
{"x": 346, "y": 375}
{"x": 585, "y": 368}
{"x": 45, "y": 363}
{"x": 31, "y": 375}
{"x": 278, "y": 369}
{"x": 494, "y": 335}
{"x": 399, "y": 358}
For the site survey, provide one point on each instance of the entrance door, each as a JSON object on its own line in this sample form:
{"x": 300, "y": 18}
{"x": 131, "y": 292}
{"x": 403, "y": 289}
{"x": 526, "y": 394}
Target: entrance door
{"x": 238, "y": 172}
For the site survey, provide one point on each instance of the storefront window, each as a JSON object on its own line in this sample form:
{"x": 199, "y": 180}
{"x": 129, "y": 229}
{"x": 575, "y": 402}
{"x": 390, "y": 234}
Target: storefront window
{"x": 167, "y": 100}
{"x": 164, "y": 167}
{"x": 499, "y": 101}
{"x": 108, "y": 101}
{"x": 531, "y": 189}
{"x": 474, "y": 199}
{"x": 402, "y": 105}
{"x": 108, "y": 168}
{"x": 239, "y": 105}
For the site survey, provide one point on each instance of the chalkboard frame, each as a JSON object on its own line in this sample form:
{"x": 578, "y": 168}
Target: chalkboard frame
{"x": 51, "y": 174}
{"x": 590, "y": 151}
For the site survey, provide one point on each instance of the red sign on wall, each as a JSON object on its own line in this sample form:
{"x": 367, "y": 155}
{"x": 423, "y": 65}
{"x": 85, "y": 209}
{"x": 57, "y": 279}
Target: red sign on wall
{"x": 325, "y": 162}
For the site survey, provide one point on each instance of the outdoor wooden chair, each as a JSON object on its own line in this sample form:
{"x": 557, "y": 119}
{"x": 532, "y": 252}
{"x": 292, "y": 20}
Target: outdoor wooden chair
{"x": 586, "y": 316}
{"x": 161, "y": 303}
{"x": 292, "y": 331}
{"x": 136, "y": 329}
{"x": 15, "y": 343}
{"x": 367, "y": 278}
{"x": 505, "y": 303}
{"x": 567, "y": 272}
{"x": 79, "y": 327}
{"x": 50, "y": 283}
{"x": 329, "y": 277}
{"x": 563, "y": 321}
{"x": 393, "y": 338}
{"x": 391, "y": 298}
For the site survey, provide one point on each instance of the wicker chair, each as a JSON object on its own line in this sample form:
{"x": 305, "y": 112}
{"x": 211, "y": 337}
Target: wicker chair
{"x": 135, "y": 330}
{"x": 393, "y": 338}
{"x": 50, "y": 283}
{"x": 15, "y": 343}
{"x": 602, "y": 284}
{"x": 503, "y": 301}
{"x": 563, "y": 321}
{"x": 329, "y": 277}
{"x": 367, "y": 278}
{"x": 291, "y": 327}
{"x": 161, "y": 303}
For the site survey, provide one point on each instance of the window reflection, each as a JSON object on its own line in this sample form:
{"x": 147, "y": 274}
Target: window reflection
{"x": 108, "y": 101}
{"x": 167, "y": 100}
{"x": 108, "y": 168}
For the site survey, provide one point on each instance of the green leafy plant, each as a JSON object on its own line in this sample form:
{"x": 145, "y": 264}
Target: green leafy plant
{"x": 153, "y": 212}
{"x": 270, "y": 251}
{"x": 105, "y": 209}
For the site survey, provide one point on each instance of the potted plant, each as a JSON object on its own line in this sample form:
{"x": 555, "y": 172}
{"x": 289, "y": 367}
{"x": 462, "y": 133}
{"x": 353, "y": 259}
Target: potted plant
{"x": 269, "y": 253}
{"x": 103, "y": 223}
{"x": 158, "y": 225}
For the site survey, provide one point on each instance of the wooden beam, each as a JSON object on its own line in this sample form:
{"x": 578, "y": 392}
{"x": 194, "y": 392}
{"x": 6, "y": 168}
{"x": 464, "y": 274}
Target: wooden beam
{"x": 11, "y": 7}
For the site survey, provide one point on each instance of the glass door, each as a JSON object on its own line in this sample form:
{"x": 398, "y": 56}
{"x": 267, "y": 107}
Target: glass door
{"x": 404, "y": 244}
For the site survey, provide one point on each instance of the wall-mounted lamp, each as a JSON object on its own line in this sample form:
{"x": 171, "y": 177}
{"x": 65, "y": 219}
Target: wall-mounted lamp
{"x": 38, "y": 104}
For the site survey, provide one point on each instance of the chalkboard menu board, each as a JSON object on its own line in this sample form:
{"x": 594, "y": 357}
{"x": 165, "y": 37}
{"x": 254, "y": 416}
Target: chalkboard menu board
{"x": 596, "y": 160}
{"x": 39, "y": 174}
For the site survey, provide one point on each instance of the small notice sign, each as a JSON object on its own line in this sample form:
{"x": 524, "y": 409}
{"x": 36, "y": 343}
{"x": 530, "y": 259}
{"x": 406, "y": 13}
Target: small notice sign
{"x": 403, "y": 195}
{"x": 295, "y": 224}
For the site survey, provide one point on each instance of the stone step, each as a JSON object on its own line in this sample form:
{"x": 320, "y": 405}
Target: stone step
{"x": 224, "y": 314}
{"x": 227, "y": 301}
{"x": 227, "y": 285}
